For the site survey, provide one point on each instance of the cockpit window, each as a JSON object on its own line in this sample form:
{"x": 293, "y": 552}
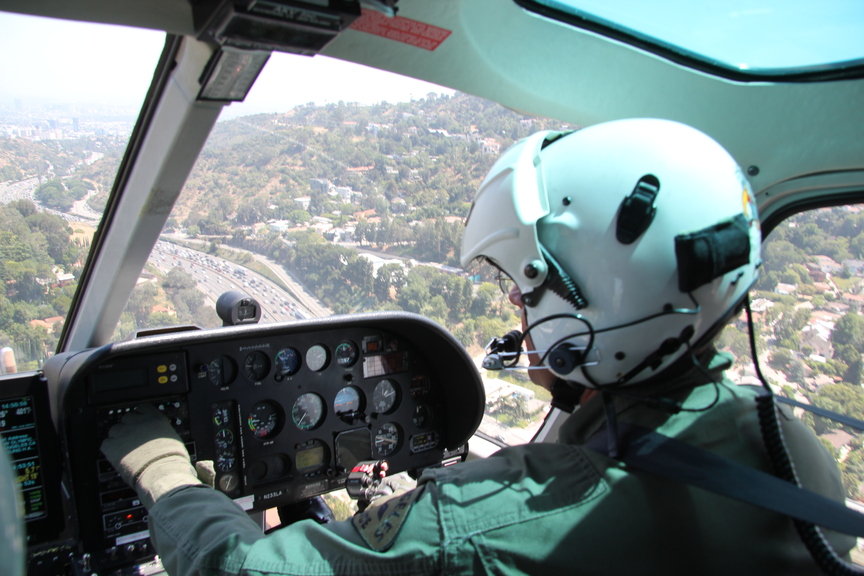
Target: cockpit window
{"x": 809, "y": 329}
{"x": 773, "y": 37}
{"x": 69, "y": 97}
{"x": 313, "y": 203}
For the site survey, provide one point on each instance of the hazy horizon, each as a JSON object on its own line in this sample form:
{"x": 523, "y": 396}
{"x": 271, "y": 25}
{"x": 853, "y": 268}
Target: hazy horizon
{"x": 87, "y": 64}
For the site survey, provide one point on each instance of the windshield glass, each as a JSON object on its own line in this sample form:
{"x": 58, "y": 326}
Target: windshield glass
{"x": 772, "y": 35}
{"x": 68, "y": 101}
{"x": 321, "y": 197}
{"x": 809, "y": 329}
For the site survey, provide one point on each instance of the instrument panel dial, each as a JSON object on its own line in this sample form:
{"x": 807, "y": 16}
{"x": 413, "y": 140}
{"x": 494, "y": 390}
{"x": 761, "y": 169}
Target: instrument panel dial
{"x": 225, "y": 461}
{"x": 347, "y": 354}
{"x": 265, "y": 420}
{"x": 256, "y": 366}
{"x": 387, "y": 439}
{"x": 224, "y": 439}
{"x": 222, "y": 371}
{"x": 385, "y": 396}
{"x": 317, "y": 357}
{"x": 348, "y": 399}
{"x": 288, "y": 362}
{"x": 308, "y": 411}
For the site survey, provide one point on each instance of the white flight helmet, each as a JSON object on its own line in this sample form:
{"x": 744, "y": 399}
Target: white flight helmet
{"x": 629, "y": 240}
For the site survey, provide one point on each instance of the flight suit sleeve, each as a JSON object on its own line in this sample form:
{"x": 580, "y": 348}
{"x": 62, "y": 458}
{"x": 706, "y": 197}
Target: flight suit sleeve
{"x": 199, "y": 531}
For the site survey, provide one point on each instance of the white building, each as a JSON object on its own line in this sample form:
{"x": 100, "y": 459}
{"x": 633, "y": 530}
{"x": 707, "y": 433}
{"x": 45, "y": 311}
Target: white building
{"x": 303, "y": 202}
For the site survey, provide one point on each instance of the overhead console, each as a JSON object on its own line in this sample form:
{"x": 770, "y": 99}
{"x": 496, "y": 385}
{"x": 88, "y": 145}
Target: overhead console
{"x": 283, "y": 410}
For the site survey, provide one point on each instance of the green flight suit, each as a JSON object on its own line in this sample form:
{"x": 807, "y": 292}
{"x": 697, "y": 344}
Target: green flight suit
{"x": 535, "y": 509}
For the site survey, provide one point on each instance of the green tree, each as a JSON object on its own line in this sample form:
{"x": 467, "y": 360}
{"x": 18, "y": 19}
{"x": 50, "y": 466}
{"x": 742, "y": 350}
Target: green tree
{"x": 390, "y": 277}
{"x": 141, "y": 303}
{"x": 736, "y": 341}
{"x": 487, "y": 294}
{"x": 840, "y": 398}
{"x": 849, "y": 330}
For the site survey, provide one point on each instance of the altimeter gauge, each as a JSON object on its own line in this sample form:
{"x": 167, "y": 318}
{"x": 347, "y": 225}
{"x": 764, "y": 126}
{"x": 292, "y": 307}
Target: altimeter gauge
{"x": 387, "y": 439}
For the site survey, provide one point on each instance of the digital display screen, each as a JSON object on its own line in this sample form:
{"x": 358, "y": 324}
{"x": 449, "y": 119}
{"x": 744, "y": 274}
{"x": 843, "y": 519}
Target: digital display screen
{"x": 352, "y": 447}
{"x": 18, "y": 430}
{"x": 121, "y": 379}
{"x": 310, "y": 458}
{"x": 391, "y": 363}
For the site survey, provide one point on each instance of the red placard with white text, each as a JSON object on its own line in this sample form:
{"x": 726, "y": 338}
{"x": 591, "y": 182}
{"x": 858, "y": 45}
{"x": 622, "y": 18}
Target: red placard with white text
{"x": 401, "y": 29}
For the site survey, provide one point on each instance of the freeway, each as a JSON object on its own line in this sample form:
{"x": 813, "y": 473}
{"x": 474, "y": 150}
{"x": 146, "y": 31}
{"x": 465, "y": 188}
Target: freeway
{"x": 21, "y": 190}
{"x": 215, "y": 276}
{"x": 81, "y": 209}
{"x": 25, "y": 189}
{"x": 303, "y": 295}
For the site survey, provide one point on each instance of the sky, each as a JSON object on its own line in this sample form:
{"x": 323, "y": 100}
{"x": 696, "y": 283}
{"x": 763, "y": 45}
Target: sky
{"x": 742, "y": 33}
{"x": 78, "y": 62}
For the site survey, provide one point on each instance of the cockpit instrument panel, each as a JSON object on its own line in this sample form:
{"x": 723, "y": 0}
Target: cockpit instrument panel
{"x": 284, "y": 411}
{"x": 32, "y": 447}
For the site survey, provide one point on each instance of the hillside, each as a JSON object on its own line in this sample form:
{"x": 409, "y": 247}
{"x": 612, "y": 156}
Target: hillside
{"x": 417, "y": 160}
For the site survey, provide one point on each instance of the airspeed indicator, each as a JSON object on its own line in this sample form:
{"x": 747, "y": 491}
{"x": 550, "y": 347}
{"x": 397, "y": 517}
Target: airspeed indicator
{"x": 307, "y": 412}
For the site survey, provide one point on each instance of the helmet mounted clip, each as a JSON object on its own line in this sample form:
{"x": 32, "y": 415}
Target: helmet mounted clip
{"x": 637, "y": 210}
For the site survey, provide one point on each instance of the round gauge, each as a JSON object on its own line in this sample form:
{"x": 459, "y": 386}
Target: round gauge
{"x": 265, "y": 420}
{"x": 308, "y": 411}
{"x": 224, "y": 438}
{"x": 256, "y": 366}
{"x": 346, "y": 353}
{"x": 225, "y": 461}
{"x": 387, "y": 439}
{"x": 348, "y": 399}
{"x": 214, "y": 372}
{"x": 385, "y": 396}
{"x": 228, "y": 482}
{"x": 422, "y": 416}
{"x": 287, "y": 362}
{"x": 221, "y": 415}
{"x": 221, "y": 371}
{"x": 317, "y": 357}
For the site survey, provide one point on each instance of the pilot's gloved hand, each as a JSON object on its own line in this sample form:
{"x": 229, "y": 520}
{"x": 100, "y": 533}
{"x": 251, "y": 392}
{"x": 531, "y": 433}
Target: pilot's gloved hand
{"x": 381, "y": 489}
{"x": 149, "y": 455}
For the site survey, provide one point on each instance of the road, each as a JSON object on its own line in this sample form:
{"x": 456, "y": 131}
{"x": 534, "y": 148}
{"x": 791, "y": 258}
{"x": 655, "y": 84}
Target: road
{"x": 21, "y": 190}
{"x": 80, "y": 208}
{"x": 311, "y": 303}
{"x": 215, "y": 276}
{"x": 304, "y": 297}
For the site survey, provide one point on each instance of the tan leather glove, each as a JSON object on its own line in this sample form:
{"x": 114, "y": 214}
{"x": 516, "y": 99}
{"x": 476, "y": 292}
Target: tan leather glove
{"x": 149, "y": 454}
